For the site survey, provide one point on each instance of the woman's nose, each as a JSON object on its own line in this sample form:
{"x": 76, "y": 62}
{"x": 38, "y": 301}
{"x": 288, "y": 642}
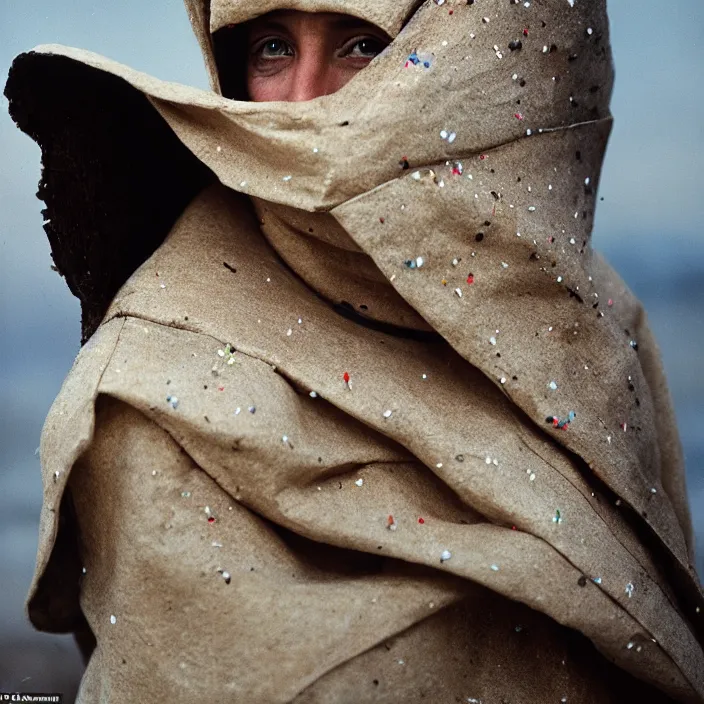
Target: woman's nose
{"x": 312, "y": 77}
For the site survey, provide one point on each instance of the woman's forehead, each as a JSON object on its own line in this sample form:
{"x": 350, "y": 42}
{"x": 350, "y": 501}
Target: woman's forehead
{"x": 332, "y": 21}
{"x": 388, "y": 15}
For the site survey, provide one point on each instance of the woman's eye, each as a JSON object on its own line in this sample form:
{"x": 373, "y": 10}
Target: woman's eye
{"x": 366, "y": 48}
{"x": 274, "y": 48}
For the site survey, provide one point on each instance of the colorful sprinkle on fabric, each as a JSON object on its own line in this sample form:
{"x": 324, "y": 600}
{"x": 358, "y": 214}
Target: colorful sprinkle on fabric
{"x": 561, "y": 424}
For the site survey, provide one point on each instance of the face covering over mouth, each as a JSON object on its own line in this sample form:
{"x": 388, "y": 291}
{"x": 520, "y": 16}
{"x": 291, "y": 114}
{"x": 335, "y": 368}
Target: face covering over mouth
{"x": 359, "y": 405}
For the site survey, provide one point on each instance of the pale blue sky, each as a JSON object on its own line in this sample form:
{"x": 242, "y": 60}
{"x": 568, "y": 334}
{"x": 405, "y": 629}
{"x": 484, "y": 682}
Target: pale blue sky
{"x": 650, "y": 223}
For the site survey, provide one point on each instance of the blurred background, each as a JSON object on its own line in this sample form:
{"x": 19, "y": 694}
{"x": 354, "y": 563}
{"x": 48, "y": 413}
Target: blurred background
{"x": 649, "y": 226}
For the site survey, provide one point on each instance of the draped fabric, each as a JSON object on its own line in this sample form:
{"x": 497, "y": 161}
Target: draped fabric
{"x": 369, "y": 382}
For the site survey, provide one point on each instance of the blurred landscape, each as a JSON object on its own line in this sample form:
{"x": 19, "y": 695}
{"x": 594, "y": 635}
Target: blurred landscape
{"x": 649, "y": 226}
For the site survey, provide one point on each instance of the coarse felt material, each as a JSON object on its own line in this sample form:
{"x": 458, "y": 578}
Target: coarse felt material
{"x": 264, "y": 491}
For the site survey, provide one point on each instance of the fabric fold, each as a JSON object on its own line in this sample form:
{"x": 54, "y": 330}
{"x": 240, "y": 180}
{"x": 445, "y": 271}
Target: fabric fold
{"x": 558, "y": 543}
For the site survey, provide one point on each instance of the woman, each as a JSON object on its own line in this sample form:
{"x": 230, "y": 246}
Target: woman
{"x": 373, "y": 423}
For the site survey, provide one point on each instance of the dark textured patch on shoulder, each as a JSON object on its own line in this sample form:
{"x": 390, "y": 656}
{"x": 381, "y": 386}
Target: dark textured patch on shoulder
{"x": 115, "y": 177}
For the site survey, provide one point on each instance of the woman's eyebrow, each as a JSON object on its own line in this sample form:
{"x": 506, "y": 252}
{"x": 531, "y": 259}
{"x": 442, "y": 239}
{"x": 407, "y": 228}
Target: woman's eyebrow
{"x": 270, "y": 25}
{"x": 355, "y": 23}
{"x": 339, "y": 24}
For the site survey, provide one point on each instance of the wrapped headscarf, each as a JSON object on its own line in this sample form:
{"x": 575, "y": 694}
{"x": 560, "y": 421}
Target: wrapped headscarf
{"x": 421, "y": 390}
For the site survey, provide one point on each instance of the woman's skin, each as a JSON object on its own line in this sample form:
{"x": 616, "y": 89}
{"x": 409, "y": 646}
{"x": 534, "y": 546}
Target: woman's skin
{"x": 295, "y": 56}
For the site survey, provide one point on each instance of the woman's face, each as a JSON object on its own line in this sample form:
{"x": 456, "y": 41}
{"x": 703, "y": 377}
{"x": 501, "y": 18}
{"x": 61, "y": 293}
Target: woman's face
{"x": 294, "y": 56}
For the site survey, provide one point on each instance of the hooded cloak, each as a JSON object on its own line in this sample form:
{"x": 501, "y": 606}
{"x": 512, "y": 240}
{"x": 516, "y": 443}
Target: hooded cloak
{"x": 361, "y": 415}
